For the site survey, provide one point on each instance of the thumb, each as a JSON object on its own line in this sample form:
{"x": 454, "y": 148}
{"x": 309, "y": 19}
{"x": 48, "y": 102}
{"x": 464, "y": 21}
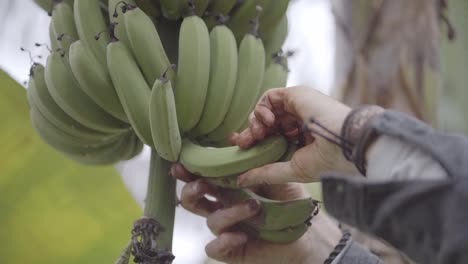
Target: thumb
{"x": 274, "y": 173}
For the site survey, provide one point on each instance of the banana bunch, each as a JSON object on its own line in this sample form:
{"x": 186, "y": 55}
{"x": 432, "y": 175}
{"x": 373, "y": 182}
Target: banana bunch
{"x": 110, "y": 86}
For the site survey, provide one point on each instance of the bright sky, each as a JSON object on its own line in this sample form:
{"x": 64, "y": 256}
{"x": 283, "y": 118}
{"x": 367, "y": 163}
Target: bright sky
{"x": 311, "y": 37}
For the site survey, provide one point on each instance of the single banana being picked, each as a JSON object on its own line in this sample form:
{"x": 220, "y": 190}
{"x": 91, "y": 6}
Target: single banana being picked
{"x": 64, "y": 25}
{"x": 146, "y": 45}
{"x": 95, "y": 80}
{"x": 90, "y": 23}
{"x": 283, "y": 236}
{"x": 230, "y": 181}
{"x": 273, "y": 215}
{"x": 67, "y": 93}
{"x": 193, "y": 72}
{"x": 132, "y": 90}
{"x": 172, "y": 9}
{"x": 163, "y": 119}
{"x": 116, "y": 16}
{"x": 251, "y": 68}
{"x": 223, "y": 75}
{"x": 219, "y": 162}
{"x": 39, "y": 95}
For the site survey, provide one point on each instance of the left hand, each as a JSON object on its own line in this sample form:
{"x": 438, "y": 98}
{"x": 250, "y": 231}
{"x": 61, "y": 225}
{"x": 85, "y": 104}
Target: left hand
{"x": 234, "y": 246}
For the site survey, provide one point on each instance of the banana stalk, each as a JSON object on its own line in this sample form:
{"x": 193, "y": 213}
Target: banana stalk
{"x": 160, "y": 206}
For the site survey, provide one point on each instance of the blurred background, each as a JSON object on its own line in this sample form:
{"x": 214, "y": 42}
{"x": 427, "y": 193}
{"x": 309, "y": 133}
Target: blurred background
{"x": 22, "y": 24}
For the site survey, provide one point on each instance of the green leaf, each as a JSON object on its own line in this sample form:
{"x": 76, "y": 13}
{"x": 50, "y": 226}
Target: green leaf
{"x": 53, "y": 210}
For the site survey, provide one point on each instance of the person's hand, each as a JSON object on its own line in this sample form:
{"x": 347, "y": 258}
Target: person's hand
{"x": 233, "y": 246}
{"x": 285, "y": 111}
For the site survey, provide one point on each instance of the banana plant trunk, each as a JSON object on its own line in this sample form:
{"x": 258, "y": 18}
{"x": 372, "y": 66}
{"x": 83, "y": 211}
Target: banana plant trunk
{"x": 388, "y": 52}
{"x": 453, "y": 106}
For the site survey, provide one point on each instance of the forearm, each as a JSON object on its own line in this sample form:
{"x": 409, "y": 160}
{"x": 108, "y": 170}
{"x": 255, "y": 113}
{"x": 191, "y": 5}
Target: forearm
{"x": 322, "y": 239}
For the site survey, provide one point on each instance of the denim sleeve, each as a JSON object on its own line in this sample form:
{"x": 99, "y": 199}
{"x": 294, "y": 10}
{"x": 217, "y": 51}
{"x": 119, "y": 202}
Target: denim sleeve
{"x": 354, "y": 253}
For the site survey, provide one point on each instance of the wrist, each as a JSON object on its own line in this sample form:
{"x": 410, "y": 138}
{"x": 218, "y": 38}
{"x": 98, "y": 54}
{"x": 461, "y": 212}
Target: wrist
{"x": 356, "y": 135}
{"x": 321, "y": 238}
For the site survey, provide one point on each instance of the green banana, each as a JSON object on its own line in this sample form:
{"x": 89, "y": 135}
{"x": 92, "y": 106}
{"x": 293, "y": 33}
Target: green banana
{"x": 193, "y": 72}
{"x": 53, "y": 37}
{"x": 150, "y": 7}
{"x": 240, "y": 22}
{"x": 230, "y": 181}
{"x": 272, "y": 13}
{"x": 132, "y": 90}
{"x": 136, "y": 148}
{"x": 172, "y": 9}
{"x": 66, "y": 92}
{"x": 40, "y": 96}
{"x": 64, "y": 25}
{"x": 222, "y": 82}
{"x": 90, "y": 22}
{"x": 95, "y": 81}
{"x": 108, "y": 154}
{"x": 218, "y": 9}
{"x": 146, "y": 46}
{"x": 283, "y": 236}
{"x": 163, "y": 119}
{"x": 275, "y": 40}
{"x": 61, "y": 140}
{"x": 248, "y": 85}
{"x": 218, "y": 162}
{"x": 274, "y": 215}
{"x": 292, "y": 148}
{"x": 116, "y": 16}
{"x": 47, "y": 5}
{"x": 222, "y": 7}
{"x": 201, "y": 6}
{"x": 276, "y": 75}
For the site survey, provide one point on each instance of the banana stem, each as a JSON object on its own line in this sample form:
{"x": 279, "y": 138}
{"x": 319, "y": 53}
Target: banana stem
{"x": 161, "y": 198}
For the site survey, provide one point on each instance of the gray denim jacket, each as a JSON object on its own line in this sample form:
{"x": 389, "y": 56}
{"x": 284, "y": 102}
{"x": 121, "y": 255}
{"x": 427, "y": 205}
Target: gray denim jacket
{"x": 415, "y": 196}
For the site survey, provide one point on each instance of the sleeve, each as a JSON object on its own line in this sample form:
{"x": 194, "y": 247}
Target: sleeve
{"x": 391, "y": 159}
{"x": 354, "y": 253}
{"x": 416, "y": 189}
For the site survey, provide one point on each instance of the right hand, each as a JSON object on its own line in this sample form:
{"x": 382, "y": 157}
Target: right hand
{"x": 285, "y": 111}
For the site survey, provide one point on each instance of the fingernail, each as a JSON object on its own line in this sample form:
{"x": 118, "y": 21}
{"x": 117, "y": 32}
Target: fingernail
{"x": 242, "y": 238}
{"x": 172, "y": 171}
{"x": 252, "y": 205}
{"x": 241, "y": 182}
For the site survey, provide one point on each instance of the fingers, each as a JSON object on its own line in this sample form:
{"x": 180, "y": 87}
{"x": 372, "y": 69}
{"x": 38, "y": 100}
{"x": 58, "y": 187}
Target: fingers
{"x": 274, "y": 173}
{"x": 223, "y": 219}
{"x": 225, "y": 246}
{"x": 193, "y": 198}
{"x": 178, "y": 171}
{"x": 265, "y": 115}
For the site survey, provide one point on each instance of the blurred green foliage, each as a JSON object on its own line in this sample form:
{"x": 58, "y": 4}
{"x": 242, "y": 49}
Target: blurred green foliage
{"x": 53, "y": 210}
